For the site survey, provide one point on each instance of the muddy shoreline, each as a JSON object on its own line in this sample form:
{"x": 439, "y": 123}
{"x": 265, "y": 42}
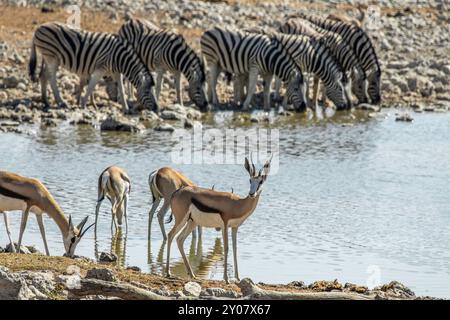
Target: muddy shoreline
{"x": 38, "y": 277}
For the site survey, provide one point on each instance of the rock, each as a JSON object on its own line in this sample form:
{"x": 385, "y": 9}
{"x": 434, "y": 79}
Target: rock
{"x": 3, "y": 96}
{"x": 134, "y": 268}
{"x": 48, "y": 122}
{"x": 368, "y": 107}
{"x": 120, "y": 123}
{"x": 9, "y": 124}
{"x": 325, "y": 285}
{"x": 147, "y": 115}
{"x": 192, "y": 289}
{"x": 73, "y": 270}
{"x": 23, "y": 249}
{"x": 26, "y": 285}
{"x": 297, "y": 284}
{"x": 101, "y": 274}
{"x": 429, "y": 109}
{"x": 404, "y": 117}
{"x": 165, "y": 128}
{"x": 172, "y": 115}
{"x": 356, "y": 288}
{"x": 33, "y": 249}
{"x": 2, "y": 250}
{"x": 395, "y": 289}
{"x": 107, "y": 257}
{"x": 219, "y": 293}
{"x": 10, "y": 82}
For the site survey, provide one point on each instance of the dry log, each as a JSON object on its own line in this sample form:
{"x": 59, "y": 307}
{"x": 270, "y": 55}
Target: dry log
{"x": 113, "y": 289}
{"x": 251, "y": 291}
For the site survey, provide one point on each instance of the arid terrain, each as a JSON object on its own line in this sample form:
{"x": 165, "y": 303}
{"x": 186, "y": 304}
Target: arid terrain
{"x": 411, "y": 41}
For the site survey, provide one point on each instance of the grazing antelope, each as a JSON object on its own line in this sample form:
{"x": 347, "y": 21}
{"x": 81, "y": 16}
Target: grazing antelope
{"x": 26, "y": 194}
{"x": 192, "y": 206}
{"x": 163, "y": 183}
{"x": 114, "y": 184}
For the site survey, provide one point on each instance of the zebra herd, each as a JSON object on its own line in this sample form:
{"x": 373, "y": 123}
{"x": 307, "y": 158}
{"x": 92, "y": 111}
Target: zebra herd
{"x": 338, "y": 54}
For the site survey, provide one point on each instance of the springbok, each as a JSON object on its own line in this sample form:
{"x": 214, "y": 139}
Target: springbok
{"x": 27, "y": 194}
{"x": 114, "y": 184}
{"x": 193, "y": 206}
{"x": 163, "y": 183}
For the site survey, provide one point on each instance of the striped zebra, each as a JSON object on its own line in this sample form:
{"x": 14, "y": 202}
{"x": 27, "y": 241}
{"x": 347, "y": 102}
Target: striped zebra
{"x": 163, "y": 50}
{"x": 245, "y": 54}
{"x": 360, "y": 42}
{"x": 339, "y": 48}
{"x": 91, "y": 55}
{"x": 313, "y": 56}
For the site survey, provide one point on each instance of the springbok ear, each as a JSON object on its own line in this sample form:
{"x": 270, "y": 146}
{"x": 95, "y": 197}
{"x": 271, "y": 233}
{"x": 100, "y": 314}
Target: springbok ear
{"x": 248, "y": 167}
{"x": 82, "y": 223}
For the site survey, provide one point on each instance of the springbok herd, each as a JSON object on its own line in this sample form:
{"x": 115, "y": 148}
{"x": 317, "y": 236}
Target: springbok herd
{"x": 190, "y": 205}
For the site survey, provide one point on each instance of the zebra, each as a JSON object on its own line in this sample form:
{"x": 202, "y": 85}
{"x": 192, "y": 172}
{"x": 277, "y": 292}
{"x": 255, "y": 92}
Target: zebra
{"x": 340, "y": 49}
{"x": 243, "y": 54}
{"x": 360, "y": 42}
{"x": 163, "y": 50}
{"x": 91, "y": 55}
{"x": 313, "y": 56}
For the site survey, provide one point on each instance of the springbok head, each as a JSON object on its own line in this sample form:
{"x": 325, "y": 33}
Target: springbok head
{"x": 257, "y": 179}
{"x": 74, "y": 236}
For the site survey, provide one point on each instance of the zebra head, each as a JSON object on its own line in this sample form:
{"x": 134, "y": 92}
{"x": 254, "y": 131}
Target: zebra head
{"x": 374, "y": 82}
{"x": 196, "y": 89}
{"x": 336, "y": 91}
{"x": 296, "y": 91}
{"x": 359, "y": 86}
{"x": 145, "y": 94}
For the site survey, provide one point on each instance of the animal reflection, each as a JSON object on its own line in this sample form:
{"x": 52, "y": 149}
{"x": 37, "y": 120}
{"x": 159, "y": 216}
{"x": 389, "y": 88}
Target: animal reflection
{"x": 118, "y": 247}
{"x": 202, "y": 264}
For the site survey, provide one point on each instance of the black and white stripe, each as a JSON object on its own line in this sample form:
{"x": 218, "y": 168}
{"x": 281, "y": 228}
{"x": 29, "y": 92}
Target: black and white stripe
{"x": 361, "y": 44}
{"x": 91, "y": 55}
{"x": 250, "y": 54}
{"x": 313, "y": 56}
{"x": 163, "y": 50}
{"x": 339, "y": 48}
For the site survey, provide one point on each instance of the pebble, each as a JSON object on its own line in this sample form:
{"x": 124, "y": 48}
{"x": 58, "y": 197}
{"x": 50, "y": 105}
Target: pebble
{"x": 107, "y": 257}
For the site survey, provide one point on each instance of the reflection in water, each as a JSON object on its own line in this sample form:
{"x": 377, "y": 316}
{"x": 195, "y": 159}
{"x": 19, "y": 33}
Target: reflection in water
{"x": 202, "y": 264}
{"x": 118, "y": 246}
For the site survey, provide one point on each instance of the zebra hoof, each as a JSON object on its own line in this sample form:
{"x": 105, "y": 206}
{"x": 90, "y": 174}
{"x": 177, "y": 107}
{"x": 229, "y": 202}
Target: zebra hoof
{"x": 63, "y": 105}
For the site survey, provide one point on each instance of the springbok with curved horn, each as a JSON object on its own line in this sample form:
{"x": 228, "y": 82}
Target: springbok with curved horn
{"x": 163, "y": 183}
{"x": 27, "y": 194}
{"x": 192, "y": 206}
{"x": 114, "y": 184}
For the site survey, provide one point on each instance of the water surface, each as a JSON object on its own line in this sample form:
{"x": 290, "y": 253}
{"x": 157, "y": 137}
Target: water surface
{"x": 361, "y": 201}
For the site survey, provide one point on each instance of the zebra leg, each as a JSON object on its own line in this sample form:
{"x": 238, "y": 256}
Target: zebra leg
{"x": 159, "y": 83}
{"x": 315, "y": 92}
{"x": 40, "y": 221}
{"x": 95, "y": 77}
{"x": 277, "y": 89}
{"x": 267, "y": 84}
{"x": 252, "y": 78}
{"x": 80, "y": 89}
{"x": 213, "y": 75}
{"x": 178, "y": 88}
{"x": 8, "y": 232}
{"x": 52, "y": 68}
{"x": 43, "y": 78}
{"x": 121, "y": 92}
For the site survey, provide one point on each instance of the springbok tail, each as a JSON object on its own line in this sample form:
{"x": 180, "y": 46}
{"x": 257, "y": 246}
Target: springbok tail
{"x": 156, "y": 194}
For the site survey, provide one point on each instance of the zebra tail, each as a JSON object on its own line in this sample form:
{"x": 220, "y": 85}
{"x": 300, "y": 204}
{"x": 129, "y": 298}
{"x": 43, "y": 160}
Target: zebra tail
{"x": 32, "y": 63}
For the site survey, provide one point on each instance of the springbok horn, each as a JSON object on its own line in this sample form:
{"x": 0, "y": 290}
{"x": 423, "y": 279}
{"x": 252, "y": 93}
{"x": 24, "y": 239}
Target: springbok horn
{"x": 85, "y": 230}
{"x": 82, "y": 223}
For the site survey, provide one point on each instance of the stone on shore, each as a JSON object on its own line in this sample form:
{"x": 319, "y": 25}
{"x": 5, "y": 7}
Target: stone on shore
{"x": 121, "y": 123}
{"x": 107, "y": 257}
{"x": 192, "y": 289}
